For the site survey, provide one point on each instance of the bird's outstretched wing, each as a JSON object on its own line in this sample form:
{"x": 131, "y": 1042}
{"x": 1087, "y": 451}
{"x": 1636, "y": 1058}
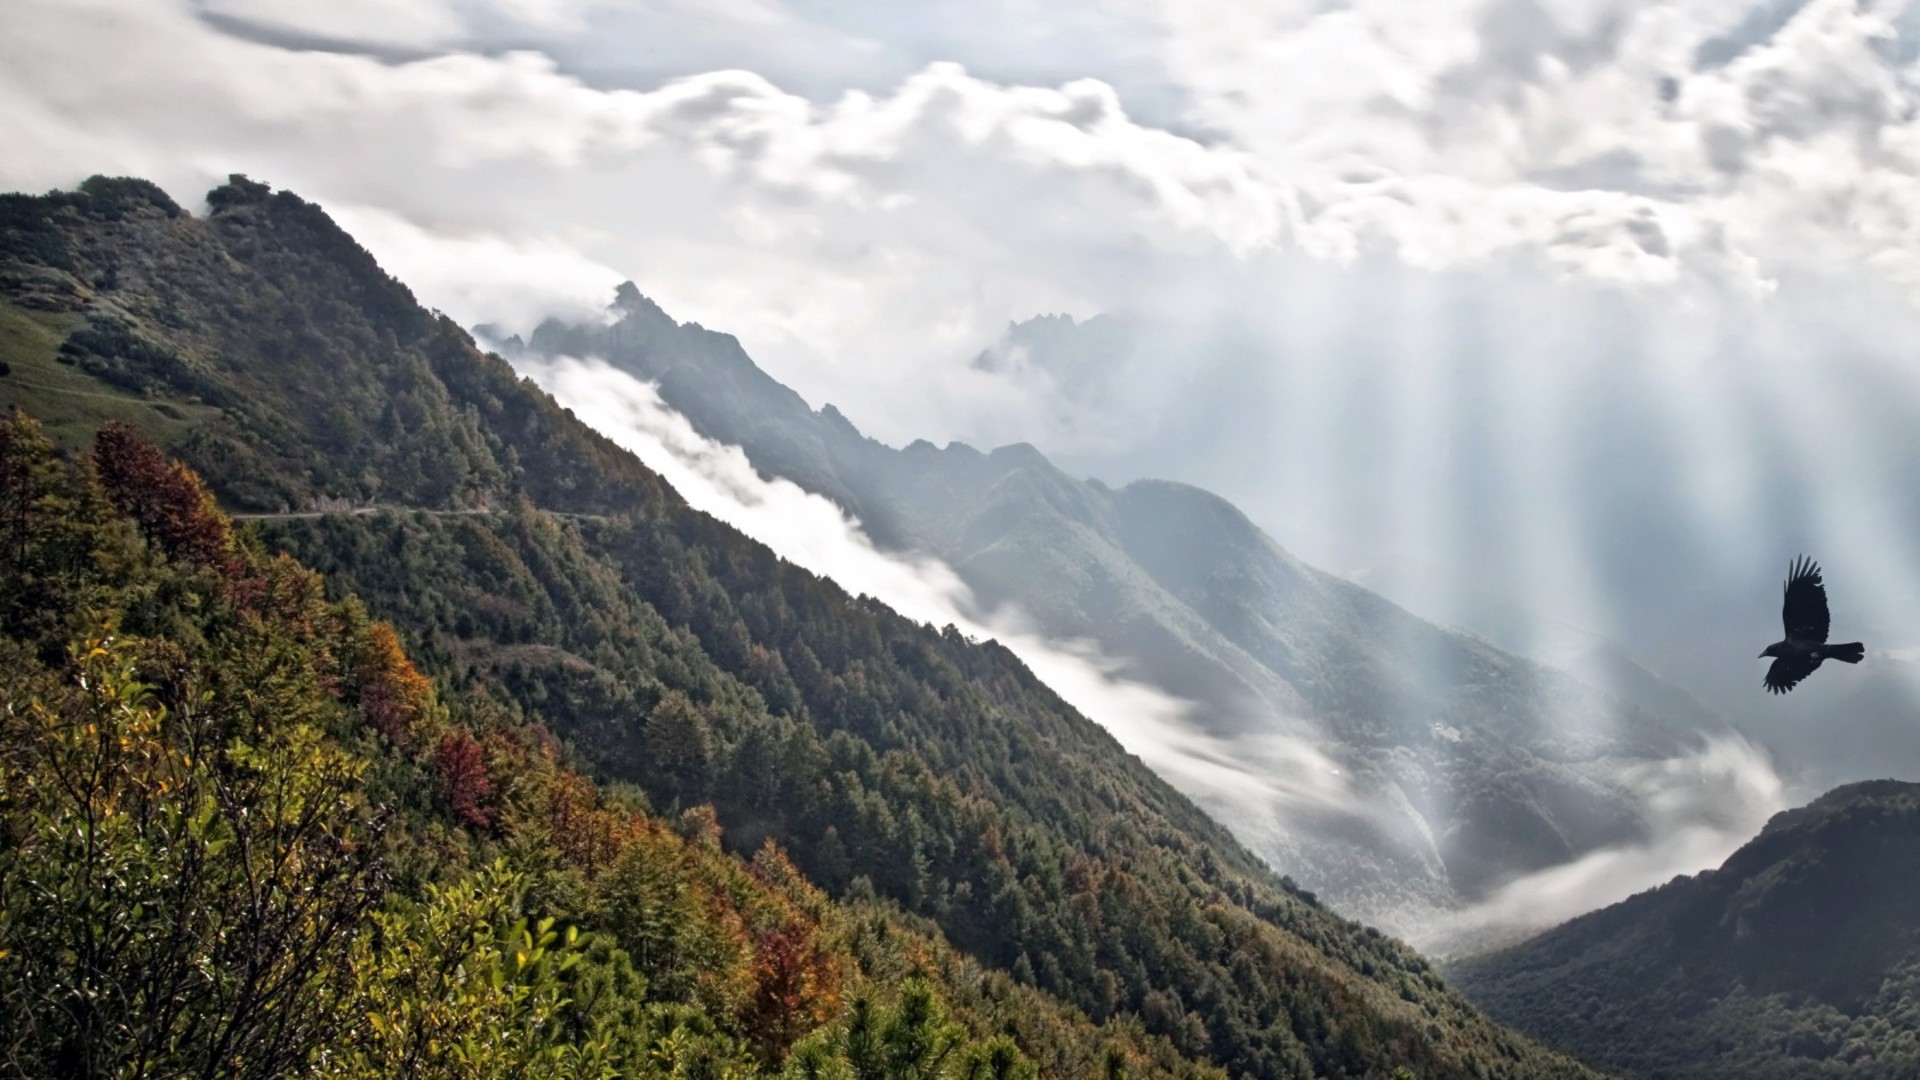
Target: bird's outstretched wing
{"x": 1785, "y": 673}
{"x": 1805, "y": 612}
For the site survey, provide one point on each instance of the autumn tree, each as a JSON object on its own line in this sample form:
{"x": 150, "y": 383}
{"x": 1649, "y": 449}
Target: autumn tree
{"x": 173, "y": 509}
{"x": 463, "y": 778}
{"x": 394, "y": 696}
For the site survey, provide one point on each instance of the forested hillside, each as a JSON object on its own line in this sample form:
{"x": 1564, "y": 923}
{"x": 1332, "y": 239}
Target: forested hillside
{"x": 556, "y": 584}
{"x": 244, "y": 836}
{"x": 1798, "y": 957}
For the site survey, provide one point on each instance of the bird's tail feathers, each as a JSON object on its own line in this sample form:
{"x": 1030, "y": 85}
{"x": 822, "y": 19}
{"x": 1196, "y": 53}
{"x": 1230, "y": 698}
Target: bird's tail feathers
{"x": 1850, "y": 653}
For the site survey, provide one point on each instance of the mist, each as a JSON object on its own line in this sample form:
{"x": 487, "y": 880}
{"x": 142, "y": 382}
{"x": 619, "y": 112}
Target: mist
{"x": 1701, "y": 807}
{"x": 1533, "y": 460}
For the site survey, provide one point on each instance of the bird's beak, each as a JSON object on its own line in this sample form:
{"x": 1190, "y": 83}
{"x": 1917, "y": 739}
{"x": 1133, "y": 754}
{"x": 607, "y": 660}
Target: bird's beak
{"x": 1762, "y": 656}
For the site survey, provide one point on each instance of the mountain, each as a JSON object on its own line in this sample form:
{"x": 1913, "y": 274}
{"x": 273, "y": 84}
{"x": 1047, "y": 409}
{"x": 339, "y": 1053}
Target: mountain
{"x": 1608, "y": 665}
{"x": 1455, "y": 767}
{"x": 1798, "y": 957}
{"x": 556, "y": 583}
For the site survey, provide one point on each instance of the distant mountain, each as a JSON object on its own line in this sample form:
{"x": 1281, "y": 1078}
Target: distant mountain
{"x": 1608, "y": 665}
{"x": 560, "y": 588}
{"x": 1457, "y": 767}
{"x": 1798, "y": 958}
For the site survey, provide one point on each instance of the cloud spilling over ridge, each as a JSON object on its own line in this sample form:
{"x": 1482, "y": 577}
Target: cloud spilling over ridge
{"x": 1701, "y": 807}
{"x": 1283, "y": 775}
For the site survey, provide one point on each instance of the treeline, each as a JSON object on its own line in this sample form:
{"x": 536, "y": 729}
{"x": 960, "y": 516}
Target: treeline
{"x": 242, "y": 835}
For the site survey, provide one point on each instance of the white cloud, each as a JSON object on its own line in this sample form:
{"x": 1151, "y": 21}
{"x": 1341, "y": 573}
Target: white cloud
{"x": 1701, "y": 807}
{"x": 865, "y": 243}
{"x": 858, "y": 246}
{"x": 1590, "y": 130}
{"x": 520, "y": 280}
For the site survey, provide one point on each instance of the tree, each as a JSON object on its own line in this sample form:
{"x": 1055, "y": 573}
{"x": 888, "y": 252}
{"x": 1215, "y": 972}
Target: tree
{"x": 174, "y": 510}
{"x": 911, "y": 1041}
{"x": 679, "y": 743}
{"x": 394, "y": 696}
{"x": 464, "y": 986}
{"x": 463, "y": 778}
{"x": 172, "y": 902}
{"x": 45, "y": 533}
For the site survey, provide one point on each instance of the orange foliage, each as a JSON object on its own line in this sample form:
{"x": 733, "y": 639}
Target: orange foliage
{"x": 588, "y": 835}
{"x": 393, "y": 693}
{"x": 796, "y": 976}
{"x": 281, "y": 591}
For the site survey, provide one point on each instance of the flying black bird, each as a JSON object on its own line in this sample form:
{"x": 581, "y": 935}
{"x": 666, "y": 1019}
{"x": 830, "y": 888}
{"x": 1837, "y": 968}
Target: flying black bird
{"x": 1805, "y": 615}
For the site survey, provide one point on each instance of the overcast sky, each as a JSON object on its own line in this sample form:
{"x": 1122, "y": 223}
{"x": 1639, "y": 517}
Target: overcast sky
{"x": 867, "y": 192}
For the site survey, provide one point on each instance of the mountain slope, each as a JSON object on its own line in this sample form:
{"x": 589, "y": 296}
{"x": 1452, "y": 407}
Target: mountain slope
{"x": 245, "y": 837}
{"x": 539, "y": 568}
{"x": 1798, "y": 957}
{"x": 1463, "y": 766}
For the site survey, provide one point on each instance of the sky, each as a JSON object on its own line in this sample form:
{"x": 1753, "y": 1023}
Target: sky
{"x": 868, "y": 193}
{"x": 1603, "y": 309}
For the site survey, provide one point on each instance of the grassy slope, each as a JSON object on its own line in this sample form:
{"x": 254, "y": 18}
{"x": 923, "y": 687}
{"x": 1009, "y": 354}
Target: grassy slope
{"x": 68, "y": 402}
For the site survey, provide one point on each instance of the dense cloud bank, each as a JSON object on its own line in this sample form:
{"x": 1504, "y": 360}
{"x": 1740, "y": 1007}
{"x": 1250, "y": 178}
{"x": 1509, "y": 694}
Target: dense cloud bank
{"x": 867, "y": 213}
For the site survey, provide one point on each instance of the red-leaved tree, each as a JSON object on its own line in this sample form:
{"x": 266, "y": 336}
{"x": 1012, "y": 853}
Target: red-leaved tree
{"x": 463, "y": 778}
{"x": 173, "y": 509}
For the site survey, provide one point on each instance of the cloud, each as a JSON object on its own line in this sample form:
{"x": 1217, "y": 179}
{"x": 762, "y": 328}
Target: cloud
{"x": 858, "y": 245}
{"x": 866, "y": 237}
{"x": 521, "y": 279}
{"x": 1631, "y": 141}
{"x": 1701, "y": 807}
{"x": 374, "y": 24}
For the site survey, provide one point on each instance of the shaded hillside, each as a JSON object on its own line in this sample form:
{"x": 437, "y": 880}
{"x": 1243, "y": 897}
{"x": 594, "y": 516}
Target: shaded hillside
{"x": 1466, "y": 766}
{"x": 1798, "y": 957}
{"x": 530, "y": 562}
